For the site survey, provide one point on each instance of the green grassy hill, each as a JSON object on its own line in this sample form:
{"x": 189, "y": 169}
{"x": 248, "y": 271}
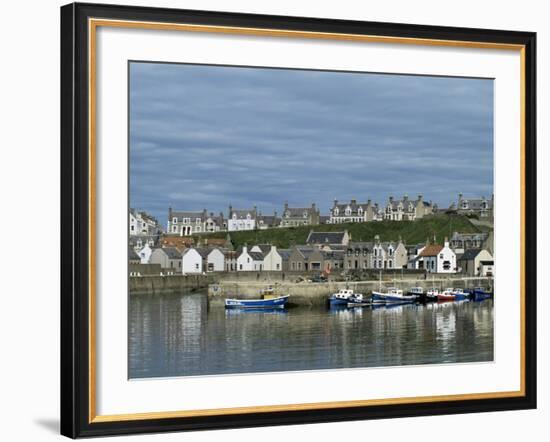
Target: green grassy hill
{"x": 412, "y": 232}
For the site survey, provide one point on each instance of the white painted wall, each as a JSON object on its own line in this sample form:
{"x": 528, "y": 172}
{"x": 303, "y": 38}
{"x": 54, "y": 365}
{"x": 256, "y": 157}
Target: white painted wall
{"x": 245, "y": 263}
{"x": 191, "y": 262}
{"x": 217, "y": 260}
{"x": 145, "y": 254}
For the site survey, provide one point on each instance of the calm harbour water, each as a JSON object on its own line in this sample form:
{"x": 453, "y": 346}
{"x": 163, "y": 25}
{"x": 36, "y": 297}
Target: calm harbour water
{"x": 178, "y": 335}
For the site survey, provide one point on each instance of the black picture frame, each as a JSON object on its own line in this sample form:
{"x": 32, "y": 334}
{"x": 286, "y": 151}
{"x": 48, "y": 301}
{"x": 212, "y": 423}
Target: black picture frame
{"x": 75, "y": 220}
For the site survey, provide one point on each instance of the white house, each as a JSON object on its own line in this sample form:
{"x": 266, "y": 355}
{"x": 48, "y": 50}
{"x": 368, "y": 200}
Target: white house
{"x": 249, "y": 261}
{"x": 272, "y": 261}
{"x": 436, "y": 258}
{"x": 241, "y": 219}
{"x": 145, "y": 254}
{"x": 215, "y": 261}
{"x": 191, "y": 261}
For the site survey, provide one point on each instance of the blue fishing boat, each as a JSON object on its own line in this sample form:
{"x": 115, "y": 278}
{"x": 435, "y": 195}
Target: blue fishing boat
{"x": 460, "y": 294}
{"x": 343, "y": 297}
{"x": 278, "y": 302}
{"x": 393, "y": 295}
{"x": 479, "y": 294}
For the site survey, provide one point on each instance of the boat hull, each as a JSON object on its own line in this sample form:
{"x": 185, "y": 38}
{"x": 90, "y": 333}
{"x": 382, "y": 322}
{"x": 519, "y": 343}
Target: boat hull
{"x": 441, "y": 297}
{"x": 279, "y": 302}
{"x": 336, "y": 302}
{"x": 384, "y": 298}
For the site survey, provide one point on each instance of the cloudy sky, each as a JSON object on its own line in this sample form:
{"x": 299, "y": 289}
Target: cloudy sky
{"x": 210, "y": 136}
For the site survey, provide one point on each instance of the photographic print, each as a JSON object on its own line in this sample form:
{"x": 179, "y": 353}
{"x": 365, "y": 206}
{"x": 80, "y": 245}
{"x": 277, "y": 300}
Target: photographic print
{"x": 286, "y": 219}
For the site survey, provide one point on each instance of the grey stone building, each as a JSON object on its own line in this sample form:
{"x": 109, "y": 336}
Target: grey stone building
{"x": 406, "y": 209}
{"x": 169, "y": 258}
{"x": 186, "y": 223}
{"x": 480, "y": 207}
{"x": 352, "y": 212}
{"x": 462, "y": 241}
{"x": 268, "y": 221}
{"x": 299, "y": 216}
{"x": 470, "y": 261}
{"x": 328, "y": 238}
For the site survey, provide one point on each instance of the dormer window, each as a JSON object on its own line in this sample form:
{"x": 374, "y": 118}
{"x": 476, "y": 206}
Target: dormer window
{"x": 305, "y": 215}
{"x": 234, "y": 216}
{"x": 248, "y": 216}
{"x": 336, "y": 212}
{"x": 198, "y": 220}
{"x": 175, "y": 220}
{"x": 360, "y": 211}
{"x": 348, "y": 211}
{"x": 464, "y": 204}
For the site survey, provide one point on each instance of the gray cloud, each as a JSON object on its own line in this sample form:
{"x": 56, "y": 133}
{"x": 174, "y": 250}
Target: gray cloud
{"x": 207, "y": 136}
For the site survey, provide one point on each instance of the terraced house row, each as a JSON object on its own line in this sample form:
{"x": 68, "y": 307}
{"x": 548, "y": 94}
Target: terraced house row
{"x": 323, "y": 252}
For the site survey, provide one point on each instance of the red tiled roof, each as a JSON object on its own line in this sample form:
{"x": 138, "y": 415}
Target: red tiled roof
{"x": 431, "y": 250}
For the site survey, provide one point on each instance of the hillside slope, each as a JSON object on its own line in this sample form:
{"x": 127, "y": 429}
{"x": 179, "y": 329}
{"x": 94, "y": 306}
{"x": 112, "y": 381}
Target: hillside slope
{"x": 412, "y": 232}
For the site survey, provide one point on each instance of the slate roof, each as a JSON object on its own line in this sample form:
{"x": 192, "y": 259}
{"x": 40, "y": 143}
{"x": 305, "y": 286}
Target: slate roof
{"x": 298, "y": 212}
{"x": 171, "y": 252}
{"x": 470, "y": 254}
{"x": 285, "y": 253}
{"x": 476, "y": 203}
{"x": 431, "y": 250}
{"x": 256, "y": 256}
{"x": 325, "y": 237}
{"x": 132, "y": 255}
{"x": 133, "y": 240}
{"x": 242, "y": 213}
{"x": 353, "y": 205}
{"x": 192, "y": 215}
{"x": 270, "y": 220}
{"x": 469, "y": 236}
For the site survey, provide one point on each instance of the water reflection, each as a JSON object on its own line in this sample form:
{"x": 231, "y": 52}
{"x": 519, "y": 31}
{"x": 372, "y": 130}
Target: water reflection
{"x": 178, "y": 335}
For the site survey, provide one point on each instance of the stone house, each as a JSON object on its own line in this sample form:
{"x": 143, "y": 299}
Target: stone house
{"x": 141, "y": 223}
{"x": 463, "y": 241}
{"x": 272, "y": 261}
{"x": 352, "y": 212}
{"x": 230, "y": 259}
{"x": 436, "y": 258}
{"x": 306, "y": 259}
{"x": 168, "y": 257}
{"x": 299, "y": 216}
{"x": 481, "y": 207}
{"x": 248, "y": 261}
{"x": 268, "y": 221}
{"x": 191, "y": 261}
{"x": 140, "y": 241}
{"x": 186, "y": 223}
{"x": 470, "y": 261}
{"x": 487, "y": 268}
{"x": 144, "y": 269}
{"x": 214, "y": 261}
{"x": 328, "y": 238}
{"x": 241, "y": 219}
{"x": 406, "y": 209}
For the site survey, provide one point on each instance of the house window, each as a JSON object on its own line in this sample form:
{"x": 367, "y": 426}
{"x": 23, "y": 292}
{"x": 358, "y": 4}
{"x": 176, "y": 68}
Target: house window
{"x": 299, "y": 266}
{"x": 175, "y": 220}
{"x": 293, "y": 265}
{"x": 132, "y": 228}
{"x": 240, "y": 266}
{"x": 174, "y": 228}
{"x": 441, "y": 256}
{"x": 446, "y": 265}
{"x": 390, "y": 264}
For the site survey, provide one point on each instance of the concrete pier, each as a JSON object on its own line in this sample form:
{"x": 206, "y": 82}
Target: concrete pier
{"x": 315, "y": 294}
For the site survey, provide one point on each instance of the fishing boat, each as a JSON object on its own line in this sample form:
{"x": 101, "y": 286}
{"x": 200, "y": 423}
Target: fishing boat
{"x": 480, "y": 294}
{"x": 431, "y": 295}
{"x": 447, "y": 295}
{"x": 343, "y": 297}
{"x": 417, "y": 292}
{"x": 277, "y": 302}
{"x": 393, "y": 294}
{"x": 460, "y": 294}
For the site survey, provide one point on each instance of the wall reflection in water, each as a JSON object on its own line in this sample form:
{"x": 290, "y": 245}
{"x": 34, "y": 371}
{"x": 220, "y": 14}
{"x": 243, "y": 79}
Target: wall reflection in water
{"x": 178, "y": 335}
